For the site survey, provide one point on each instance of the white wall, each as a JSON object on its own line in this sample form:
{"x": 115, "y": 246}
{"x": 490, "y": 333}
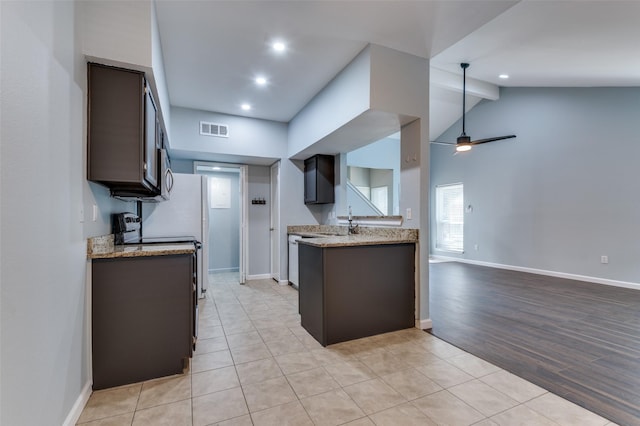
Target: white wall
{"x": 561, "y": 194}
{"x": 248, "y": 137}
{"x": 120, "y": 31}
{"x": 397, "y": 82}
{"x": 259, "y": 186}
{"x": 44, "y": 351}
{"x": 293, "y": 211}
{"x": 383, "y": 154}
{"x": 125, "y": 33}
{"x": 343, "y": 99}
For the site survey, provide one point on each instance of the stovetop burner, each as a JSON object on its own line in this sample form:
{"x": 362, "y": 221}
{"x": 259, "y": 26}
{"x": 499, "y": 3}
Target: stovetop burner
{"x": 127, "y": 228}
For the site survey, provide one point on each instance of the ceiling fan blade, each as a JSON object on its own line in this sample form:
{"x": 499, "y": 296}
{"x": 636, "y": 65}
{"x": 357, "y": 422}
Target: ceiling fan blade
{"x": 442, "y": 143}
{"x": 497, "y": 138}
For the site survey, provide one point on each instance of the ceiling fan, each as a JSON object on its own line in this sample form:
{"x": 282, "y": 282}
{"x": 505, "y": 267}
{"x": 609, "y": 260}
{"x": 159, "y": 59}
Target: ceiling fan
{"x": 464, "y": 142}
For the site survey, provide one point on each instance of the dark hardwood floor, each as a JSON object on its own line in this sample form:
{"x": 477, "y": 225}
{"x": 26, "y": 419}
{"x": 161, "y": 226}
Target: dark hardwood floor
{"x": 576, "y": 339}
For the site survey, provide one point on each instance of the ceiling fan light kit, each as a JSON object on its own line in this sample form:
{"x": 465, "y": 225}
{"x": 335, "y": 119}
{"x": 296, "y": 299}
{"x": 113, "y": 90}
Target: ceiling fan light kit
{"x": 464, "y": 142}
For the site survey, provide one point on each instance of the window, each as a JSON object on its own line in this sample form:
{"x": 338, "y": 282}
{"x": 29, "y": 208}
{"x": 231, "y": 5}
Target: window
{"x": 450, "y": 217}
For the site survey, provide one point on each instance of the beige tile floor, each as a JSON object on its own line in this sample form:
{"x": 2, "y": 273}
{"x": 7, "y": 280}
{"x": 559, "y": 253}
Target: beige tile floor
{"x": 255, "y": 365}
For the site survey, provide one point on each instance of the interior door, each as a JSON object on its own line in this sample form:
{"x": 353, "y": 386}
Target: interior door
{"x": 275, "y": 221}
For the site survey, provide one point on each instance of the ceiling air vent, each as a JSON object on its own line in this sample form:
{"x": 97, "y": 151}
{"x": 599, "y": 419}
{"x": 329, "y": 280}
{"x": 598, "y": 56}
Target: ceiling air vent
{"x": 214, "y": 129}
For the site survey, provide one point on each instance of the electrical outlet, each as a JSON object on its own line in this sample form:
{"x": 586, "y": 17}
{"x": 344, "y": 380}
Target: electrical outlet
{"x": 604, "y": 259}
{"x": 476, "y": 247}
{"x": 408, "y": 214}
{"x": 94, "y": 213}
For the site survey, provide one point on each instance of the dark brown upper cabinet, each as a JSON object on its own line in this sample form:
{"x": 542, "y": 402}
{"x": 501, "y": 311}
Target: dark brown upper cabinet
{"x": 122, "y": 131}
{"x": 319, "y": 179}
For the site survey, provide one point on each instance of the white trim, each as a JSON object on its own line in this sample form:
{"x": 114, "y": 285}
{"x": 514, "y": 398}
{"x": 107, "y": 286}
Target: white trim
{"x": 78, "y": 406}
{"x": 605, "y": 281}
{"x": 274, "y": 221}
{"x": 282, "y": 282}
{"x": 425, "y": 324}
{"x": 244, "y": 223}
{"x": 258, "y": 277}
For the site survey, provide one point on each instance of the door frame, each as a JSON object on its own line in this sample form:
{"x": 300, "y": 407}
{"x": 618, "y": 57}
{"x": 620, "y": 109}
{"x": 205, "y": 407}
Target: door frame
{"x": 244, "y": 223}
{"x": 243, "y": 171}
{"x": 274, "y": 227}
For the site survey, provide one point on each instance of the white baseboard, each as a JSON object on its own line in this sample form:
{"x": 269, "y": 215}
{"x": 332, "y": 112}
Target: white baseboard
{"x": 424, "y": 324}
{"x": 596, "y": 280}
{"x": 78, "y": 406}
{"x": 259, "y": 277}
{"x": 283, "y": 282}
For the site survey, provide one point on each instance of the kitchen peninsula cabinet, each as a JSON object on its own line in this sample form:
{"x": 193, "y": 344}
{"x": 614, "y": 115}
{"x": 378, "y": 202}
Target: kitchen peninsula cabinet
{"x": 319, "y": 179}
{"x": 143, "y": 317}
{"x": 123, "y": 131}
{"x": 351, "y": 291}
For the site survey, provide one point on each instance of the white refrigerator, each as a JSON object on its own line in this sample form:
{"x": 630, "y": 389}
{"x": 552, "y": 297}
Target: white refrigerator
{"x": 185, "y": 214}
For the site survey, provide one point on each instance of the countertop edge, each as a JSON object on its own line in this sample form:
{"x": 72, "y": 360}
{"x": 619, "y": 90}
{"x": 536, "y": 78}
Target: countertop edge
{"x": 349, "y": 241}
{"x": 142, "y": 251}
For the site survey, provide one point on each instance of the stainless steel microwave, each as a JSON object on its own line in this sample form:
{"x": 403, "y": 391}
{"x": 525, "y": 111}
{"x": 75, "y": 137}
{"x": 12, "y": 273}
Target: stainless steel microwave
{"x": 165, "y": 184}
{"x": 166, "y": 176}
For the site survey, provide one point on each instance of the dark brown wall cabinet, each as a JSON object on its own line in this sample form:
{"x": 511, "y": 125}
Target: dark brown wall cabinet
{"x": 123, "y": 131}
{"x": 143, "y": 314}
{"x": 319, "y": 179}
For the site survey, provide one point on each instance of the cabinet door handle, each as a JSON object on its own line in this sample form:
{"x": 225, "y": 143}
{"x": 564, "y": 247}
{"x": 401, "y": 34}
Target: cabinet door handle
{"x": 169, "y": 180}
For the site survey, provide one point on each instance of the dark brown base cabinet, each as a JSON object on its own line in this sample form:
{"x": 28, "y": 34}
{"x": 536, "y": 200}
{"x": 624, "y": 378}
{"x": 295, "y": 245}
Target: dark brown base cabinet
{"x": 350, "y": 292}
{"x": 143, "y": 318}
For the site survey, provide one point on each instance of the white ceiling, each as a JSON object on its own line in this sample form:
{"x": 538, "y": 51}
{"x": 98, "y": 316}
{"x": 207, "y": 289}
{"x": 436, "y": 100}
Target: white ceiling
{"x": 554, "y": 43}
{"x": 213, "y": 49}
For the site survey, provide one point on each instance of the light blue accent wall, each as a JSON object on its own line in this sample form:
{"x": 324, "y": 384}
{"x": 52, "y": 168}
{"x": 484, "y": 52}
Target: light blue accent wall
{"x": 560, "y": 195}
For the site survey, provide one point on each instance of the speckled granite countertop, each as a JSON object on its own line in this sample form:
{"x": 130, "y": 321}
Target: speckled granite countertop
{"x": 103, "y": 248}
{"x": 336, "y": 236}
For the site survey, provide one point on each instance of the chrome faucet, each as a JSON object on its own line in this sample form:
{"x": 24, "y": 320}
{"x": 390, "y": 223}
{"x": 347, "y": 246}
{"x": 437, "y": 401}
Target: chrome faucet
{"x": 352, "y": 229}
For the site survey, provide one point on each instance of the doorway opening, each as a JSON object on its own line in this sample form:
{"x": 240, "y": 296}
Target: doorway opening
{"x": 228, "y": 208}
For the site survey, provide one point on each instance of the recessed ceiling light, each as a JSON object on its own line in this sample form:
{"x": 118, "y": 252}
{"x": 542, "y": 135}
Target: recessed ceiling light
{"x": 279, "y": 46}
{"x": 245, "y": 107}
{"x": 504, "y": 76}
{"x": 261, "y": 81}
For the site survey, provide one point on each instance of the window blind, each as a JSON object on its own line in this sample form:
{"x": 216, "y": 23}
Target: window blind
{"x": 450, "y": 217}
